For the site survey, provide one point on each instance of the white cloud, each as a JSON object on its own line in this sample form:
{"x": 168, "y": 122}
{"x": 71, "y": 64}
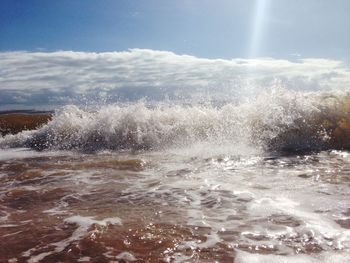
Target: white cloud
{"x": 65, "y": 76}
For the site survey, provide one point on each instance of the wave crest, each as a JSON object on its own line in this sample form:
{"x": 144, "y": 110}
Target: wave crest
{"x": 279, "y": 120}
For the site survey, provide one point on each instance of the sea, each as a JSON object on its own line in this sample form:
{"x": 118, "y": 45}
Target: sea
{"x": 264, "y": 179}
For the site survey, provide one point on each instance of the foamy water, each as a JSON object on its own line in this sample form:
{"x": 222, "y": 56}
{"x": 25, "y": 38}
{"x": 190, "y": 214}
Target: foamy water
{"x": 277, "y": 120}
{"x": 264, "y": 180}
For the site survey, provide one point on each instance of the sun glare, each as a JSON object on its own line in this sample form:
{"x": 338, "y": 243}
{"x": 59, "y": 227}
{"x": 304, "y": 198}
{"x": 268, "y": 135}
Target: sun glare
{"x": 259, "y": 26}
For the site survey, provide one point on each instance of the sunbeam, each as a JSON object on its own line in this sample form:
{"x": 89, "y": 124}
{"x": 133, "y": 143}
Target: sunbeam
{"x": 261, "y": 11}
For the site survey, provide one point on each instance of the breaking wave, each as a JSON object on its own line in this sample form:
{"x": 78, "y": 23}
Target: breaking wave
{"x": 278, "y": 120}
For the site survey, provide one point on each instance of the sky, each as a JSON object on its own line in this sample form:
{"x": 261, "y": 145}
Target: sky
{"x": 203, "y": 28}
{"x": 70, "y": 77}
{"x": 71, "y": 51}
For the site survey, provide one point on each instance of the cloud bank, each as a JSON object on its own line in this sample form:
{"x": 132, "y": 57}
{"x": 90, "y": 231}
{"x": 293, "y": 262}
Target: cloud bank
{"x": 64, "y": 77}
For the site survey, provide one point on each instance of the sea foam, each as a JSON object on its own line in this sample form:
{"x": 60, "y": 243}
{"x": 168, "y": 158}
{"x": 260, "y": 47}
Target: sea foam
{"x": 276, "y": 120}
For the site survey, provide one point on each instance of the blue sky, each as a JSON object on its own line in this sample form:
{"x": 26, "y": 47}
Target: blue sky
{"x": 203, "y": 28}
{"x": 58, "y": 52}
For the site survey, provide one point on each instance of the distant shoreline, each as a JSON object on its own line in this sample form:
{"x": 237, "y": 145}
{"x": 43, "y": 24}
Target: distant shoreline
{"x": 15, "y": 121}
{"x": 30, "y": 112}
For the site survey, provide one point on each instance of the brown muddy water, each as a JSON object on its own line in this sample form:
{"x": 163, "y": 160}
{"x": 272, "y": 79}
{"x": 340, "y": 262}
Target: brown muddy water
{"x": 12, "y": 122}
{"x": 122, "y": 207}
{"x": 177, "y": 184}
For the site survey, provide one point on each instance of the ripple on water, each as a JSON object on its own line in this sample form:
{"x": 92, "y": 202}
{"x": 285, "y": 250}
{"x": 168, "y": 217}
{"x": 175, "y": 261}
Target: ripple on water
{"x": 70, "y": 208}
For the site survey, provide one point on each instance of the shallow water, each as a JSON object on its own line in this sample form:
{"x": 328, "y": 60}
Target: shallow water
{"x": 259, "y": 181}
{"x": 174, "y": 206}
